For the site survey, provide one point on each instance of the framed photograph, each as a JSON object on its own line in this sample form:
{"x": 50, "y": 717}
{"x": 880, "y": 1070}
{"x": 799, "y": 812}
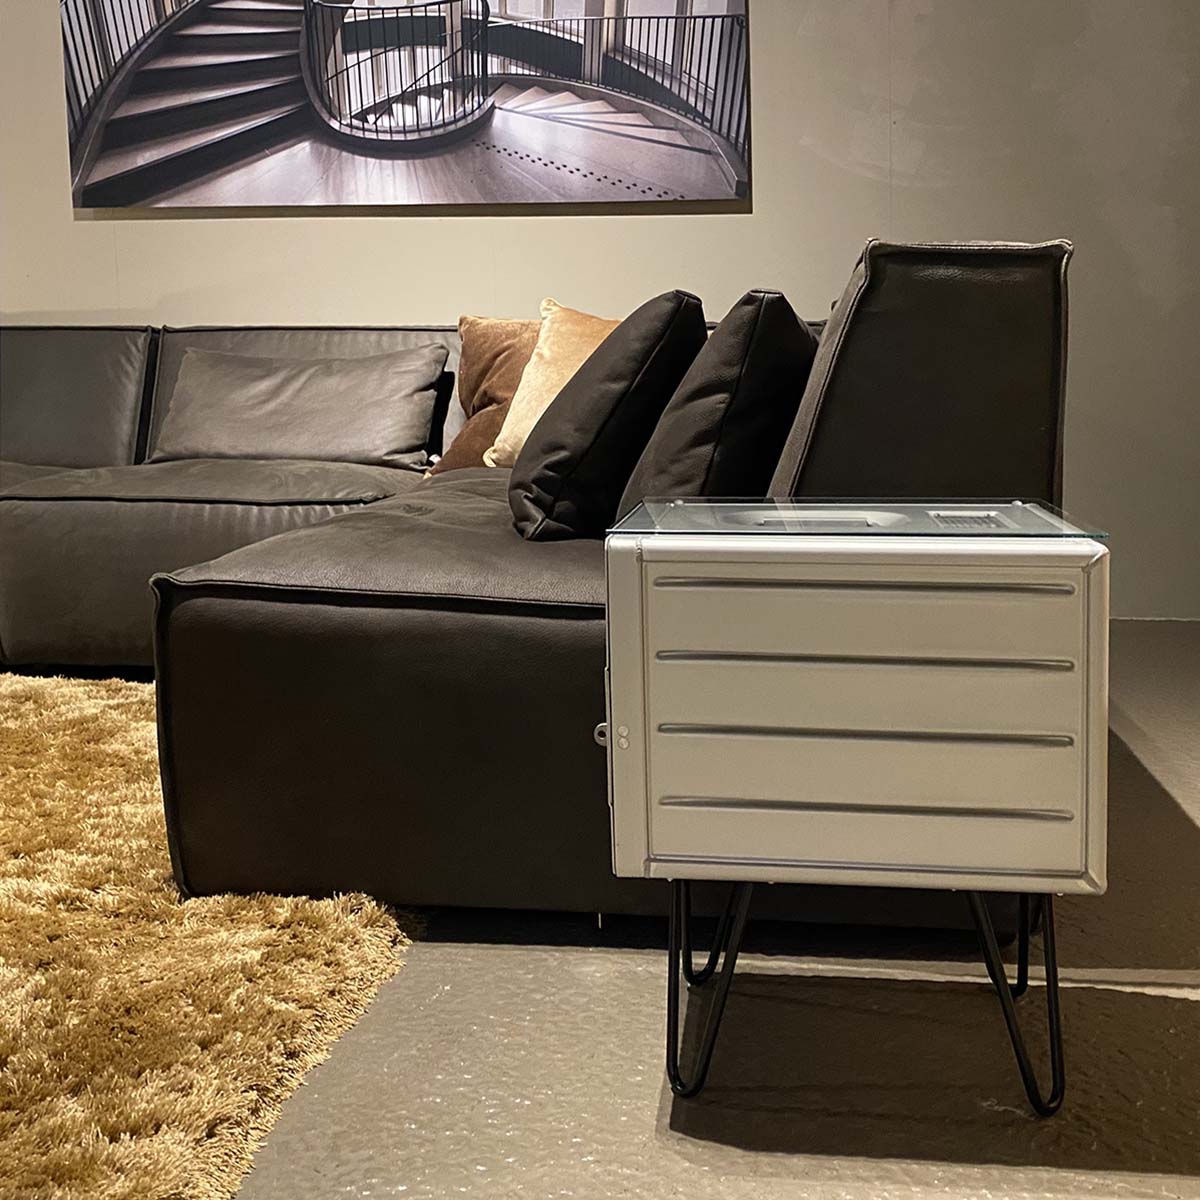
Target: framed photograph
{"x": 245, "y": 103}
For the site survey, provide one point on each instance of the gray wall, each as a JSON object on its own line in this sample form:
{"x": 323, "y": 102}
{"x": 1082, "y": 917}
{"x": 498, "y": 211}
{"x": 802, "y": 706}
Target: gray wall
{"x": 939, "y": 119}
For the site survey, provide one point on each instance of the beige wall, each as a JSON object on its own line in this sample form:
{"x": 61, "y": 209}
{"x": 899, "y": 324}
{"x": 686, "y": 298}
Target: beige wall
{"x": 907, "y": 119}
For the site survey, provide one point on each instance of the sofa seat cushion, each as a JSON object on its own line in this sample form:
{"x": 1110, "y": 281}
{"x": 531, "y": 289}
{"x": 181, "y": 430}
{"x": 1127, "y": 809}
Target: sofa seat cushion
{"x": 77, "y": 550}
{"x": 451, "y": 539}
{"x": 14, "y": 474}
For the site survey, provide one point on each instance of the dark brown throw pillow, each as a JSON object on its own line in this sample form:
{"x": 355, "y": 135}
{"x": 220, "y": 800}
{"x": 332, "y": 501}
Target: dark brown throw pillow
{"x": 725, "y": 427}
{"x": 472, "y": 440}
{"x": 494, "y": 354}
{"x": 569, "y": 476}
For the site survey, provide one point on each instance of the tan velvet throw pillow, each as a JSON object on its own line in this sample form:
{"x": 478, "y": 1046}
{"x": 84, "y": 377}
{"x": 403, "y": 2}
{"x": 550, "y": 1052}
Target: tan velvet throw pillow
{"x": 565, "y": 342}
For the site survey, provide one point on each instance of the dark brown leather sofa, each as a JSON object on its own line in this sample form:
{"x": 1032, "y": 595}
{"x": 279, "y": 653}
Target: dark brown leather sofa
{"x": 400, "y": 698}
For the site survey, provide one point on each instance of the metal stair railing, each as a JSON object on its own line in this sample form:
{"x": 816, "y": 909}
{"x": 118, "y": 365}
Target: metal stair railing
{"x": 98, "y": 38}
{"x": 365, "y": 63}
{"x": 695, "y": 66}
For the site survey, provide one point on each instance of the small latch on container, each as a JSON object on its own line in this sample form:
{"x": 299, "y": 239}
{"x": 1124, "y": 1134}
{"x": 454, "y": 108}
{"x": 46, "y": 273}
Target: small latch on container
{"x": 600, "y": 734}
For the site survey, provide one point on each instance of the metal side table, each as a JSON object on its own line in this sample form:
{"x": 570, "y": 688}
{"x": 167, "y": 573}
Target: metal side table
{"x": 888, "y": 694}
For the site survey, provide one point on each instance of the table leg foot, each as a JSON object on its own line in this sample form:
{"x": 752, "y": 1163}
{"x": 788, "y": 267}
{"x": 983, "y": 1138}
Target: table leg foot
{"x": 1044, "y": 1106}
{"x": 727, "y": 940}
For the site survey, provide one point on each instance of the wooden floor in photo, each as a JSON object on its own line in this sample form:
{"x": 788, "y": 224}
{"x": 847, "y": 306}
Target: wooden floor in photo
{"x": 545, "y": 144}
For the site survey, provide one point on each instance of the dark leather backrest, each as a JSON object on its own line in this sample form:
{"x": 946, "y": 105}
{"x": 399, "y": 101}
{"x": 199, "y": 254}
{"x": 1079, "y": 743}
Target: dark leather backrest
{"x": 941, "y": 373}
{"x": 306, "y": 343}
{"x": 71, "y": 396}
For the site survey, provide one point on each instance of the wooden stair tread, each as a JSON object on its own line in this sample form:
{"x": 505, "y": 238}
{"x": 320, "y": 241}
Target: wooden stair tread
{"x": 203, "y": 29}
{"x": 556, "y": 100}
{"x": 562, "y": 102}
{"x": 147, "y": 102}
{"x": 647, "y": 135}
{"x": 592, "y": 106}
{"x": 249, "y": 6}
{"x": 528, "y": 96}
{"x": 173, "y": 59}
{"x": 612, "y": 120}
{"x": 158, "y": 149}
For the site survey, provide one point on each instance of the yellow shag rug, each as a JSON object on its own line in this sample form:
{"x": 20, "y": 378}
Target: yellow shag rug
{"x": 146, "y": 1042}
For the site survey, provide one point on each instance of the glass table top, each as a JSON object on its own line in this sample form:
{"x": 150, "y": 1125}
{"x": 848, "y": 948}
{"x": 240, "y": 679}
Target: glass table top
{"x": 856, "y": 518}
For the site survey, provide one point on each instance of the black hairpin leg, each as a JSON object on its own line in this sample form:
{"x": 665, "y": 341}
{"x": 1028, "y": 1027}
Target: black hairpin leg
{"x": 1044, "y": 1106}
{"x": 1027, "y": 924}
{"x": 720, "y": 937}
{"x": 728, "y": 938}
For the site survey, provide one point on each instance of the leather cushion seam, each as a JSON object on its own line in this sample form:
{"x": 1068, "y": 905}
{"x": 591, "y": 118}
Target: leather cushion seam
{"x": 198, "y": 500}
{"x": 319, "y": 590}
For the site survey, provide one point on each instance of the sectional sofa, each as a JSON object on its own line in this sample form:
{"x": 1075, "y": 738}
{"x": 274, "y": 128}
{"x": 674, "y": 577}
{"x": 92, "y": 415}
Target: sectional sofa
{"x": 368, "y": 680}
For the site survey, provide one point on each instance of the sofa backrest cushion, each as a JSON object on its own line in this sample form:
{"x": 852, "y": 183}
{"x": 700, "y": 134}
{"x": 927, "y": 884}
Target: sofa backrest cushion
{"x": 941, "y": 373}
{"x": 569, "y": 476}
{"x": 722, "y": 432}
{"x": 376, "y": 410}
{"x": 304, "y": 344}
{"x": 72, "y": 396}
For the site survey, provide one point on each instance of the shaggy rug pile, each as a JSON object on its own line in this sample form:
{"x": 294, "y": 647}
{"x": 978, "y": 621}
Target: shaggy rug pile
{"x": 146, "y": 1042}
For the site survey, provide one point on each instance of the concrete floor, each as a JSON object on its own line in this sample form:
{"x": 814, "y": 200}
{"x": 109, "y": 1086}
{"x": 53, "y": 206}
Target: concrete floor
{"x": 523, "y": 1057}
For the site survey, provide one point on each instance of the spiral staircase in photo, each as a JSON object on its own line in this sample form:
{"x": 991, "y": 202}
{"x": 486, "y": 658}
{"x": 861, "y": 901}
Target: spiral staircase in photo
{"x": 216, "y": 86}
{"x": 221, "y": 84}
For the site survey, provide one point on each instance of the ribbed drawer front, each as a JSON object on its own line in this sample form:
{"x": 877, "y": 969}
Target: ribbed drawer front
{"x": 956, "y": 695}
{"x": 866, "y": 797}
{"x": 806, "y": 608}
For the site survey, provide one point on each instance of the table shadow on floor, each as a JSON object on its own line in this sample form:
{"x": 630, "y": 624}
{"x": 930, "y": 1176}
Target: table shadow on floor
{"x": 1149, "y": 919}
{"x": 917, "y": 1070}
